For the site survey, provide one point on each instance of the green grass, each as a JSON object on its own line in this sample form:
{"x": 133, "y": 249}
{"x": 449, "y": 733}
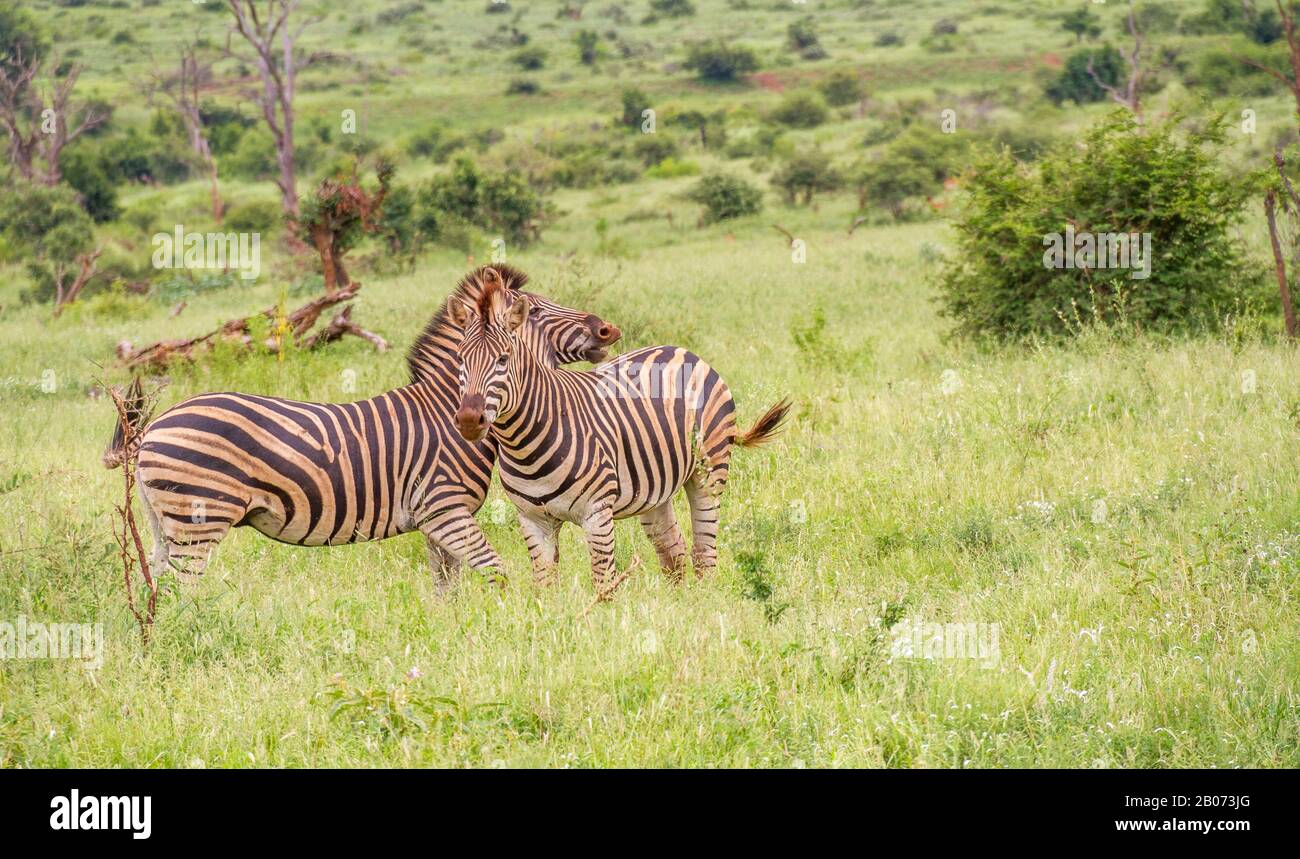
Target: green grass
{"x": 1122, "y": 507}
{"x": 975, "y": 505}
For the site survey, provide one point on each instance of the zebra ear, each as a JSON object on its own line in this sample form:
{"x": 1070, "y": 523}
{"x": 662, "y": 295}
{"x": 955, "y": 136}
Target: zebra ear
{"x": 459, "y": 311}
{"x": 517, "y": 313}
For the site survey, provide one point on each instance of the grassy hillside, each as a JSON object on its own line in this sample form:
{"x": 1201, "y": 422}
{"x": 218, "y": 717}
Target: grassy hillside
{"x": 1122, "y": 507}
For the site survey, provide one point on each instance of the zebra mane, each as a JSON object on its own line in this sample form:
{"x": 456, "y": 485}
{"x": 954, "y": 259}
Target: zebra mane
{"x": 471, "y": 288}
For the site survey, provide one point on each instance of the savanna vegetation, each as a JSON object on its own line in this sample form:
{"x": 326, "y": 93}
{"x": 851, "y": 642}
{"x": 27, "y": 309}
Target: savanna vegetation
{"x": 844, "y": 202}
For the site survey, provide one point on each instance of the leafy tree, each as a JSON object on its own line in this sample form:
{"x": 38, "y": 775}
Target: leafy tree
{"x": 725, "y": 197}
{"x": 892, "y": 180}
{"x": 1081, "y": 22}
{"x": 719, "y": 62}
{"x": 804, "y": 174}
{"x": 20, "y": 36}
{"x": 1076, "y": 84}
{"x": 1162, "y": 181}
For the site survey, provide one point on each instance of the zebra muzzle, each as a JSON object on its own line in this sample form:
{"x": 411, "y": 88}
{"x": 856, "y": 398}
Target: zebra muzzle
{"x": 471, "y": 422}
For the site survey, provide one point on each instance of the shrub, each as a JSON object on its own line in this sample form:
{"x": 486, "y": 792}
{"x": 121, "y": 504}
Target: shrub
{"x": 635, "y": 104}
{"x": 588, "y": 42}
{"x": 523, "y": 86}
{"x": 888, "y": 40}
{"x": 725, "y": 197}
{"x": 672, "y": 8}
{"x": 801, "y": 37}
{"x": 1162, "y": 181}
{"x": 671, "y": 168}
{"x": 804, "y": 174}
{"x": 801, "y": 110}
{"x": 654, "y": 148}
{"x": 842, "y": 88}
{"x": 719, "y": 62}
{"x": 529, "y": 59}
{"x": 255, "y": 216}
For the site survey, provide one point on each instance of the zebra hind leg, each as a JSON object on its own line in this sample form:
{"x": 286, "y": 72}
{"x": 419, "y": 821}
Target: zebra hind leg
{"x": 702, "y": 495}
{"x": 541, "y": 536}
{"x": 665, "y": 535}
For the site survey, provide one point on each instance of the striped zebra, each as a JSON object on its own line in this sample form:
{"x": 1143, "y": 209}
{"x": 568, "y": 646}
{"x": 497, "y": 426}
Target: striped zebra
{"x": 592, "y": 447}
{"x": 322, "y": 474}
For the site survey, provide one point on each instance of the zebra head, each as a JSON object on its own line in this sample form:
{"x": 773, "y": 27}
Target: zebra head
{"x": 573, "y": 335}
{"x": 490, "y": 350}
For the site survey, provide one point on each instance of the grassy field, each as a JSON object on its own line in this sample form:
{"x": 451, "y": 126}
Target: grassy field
{"x": 1119, "y": 511}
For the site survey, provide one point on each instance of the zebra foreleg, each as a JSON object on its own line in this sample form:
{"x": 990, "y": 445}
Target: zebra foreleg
{"x": 704, "y": 526}
{"x": 599, "y": 530}
{"x": 541, "y": 536}
{"x": 665, "y": 535}
{"x": 456, "y": 531}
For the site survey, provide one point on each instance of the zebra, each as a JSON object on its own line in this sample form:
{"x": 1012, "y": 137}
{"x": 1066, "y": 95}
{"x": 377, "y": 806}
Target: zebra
{"x": 592, "y": 447}
{"x": 317, "y": 474}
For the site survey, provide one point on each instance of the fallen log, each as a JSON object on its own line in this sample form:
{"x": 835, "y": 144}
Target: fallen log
{"x": 158, "y": 356}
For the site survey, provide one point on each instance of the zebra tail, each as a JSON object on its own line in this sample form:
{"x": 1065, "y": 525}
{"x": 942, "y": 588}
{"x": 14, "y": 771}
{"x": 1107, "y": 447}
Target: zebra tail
{"x": 766, "y": 427}
{"x": 134, "y": 401}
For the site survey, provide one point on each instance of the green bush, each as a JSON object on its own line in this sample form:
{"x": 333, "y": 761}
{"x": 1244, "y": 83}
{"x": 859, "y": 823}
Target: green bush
{"x": 48, "y": 229}
{"x": 635, "y": 104}
{"x": 1161, "y": 181}
{"x": 719, "y": 62}
{"x": 801, "y": 110}
{"x": 725, "y": 197}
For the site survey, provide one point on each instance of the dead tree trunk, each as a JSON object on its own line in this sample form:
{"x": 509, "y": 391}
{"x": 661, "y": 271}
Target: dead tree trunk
{"x": 17, "y": 99}
{"x": 273, "y": 40}
{"x": 53, "y": 143}
{"x": 86, "y": 269}
{"x": 183, "y": 93}
{"x": 1131, "y": 95}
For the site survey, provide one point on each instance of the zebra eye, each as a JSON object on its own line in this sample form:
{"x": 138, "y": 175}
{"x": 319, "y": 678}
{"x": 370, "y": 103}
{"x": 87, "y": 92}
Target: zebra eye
{"x": 501, "y": 362}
